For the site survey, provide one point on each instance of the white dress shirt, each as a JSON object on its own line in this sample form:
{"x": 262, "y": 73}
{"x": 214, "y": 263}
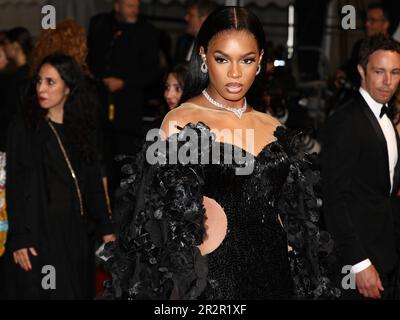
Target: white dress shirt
{"x": 391, "y": 142}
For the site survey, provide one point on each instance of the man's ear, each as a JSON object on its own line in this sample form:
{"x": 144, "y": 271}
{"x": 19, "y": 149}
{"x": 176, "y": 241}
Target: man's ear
{"x": 361, "y": 71}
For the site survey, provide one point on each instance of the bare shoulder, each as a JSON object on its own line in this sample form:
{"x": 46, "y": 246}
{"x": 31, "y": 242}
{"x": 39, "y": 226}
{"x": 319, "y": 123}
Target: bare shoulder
{"x": 266, "y": 120}
{"x": 177, "y": 117}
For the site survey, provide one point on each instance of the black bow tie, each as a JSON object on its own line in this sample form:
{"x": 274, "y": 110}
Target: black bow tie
{"x": 384, "y": 110}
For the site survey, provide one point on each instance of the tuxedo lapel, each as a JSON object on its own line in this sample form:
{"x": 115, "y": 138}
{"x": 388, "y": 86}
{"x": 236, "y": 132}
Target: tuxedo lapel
{"x": 379, "y": 135}
{"x": 377, "y": 128}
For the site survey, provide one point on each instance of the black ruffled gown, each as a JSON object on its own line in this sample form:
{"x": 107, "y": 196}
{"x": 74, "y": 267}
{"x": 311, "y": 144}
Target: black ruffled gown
{"x": 161, "y": 219}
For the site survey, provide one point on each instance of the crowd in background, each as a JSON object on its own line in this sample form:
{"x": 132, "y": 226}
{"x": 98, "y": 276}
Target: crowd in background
{"x": 132, "y": 78}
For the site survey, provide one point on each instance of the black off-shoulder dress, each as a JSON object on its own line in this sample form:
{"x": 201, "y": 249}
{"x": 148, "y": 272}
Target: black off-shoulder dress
{"x": 161, "y": 218}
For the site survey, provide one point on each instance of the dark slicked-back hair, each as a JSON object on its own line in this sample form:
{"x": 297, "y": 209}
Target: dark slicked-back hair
{"x": 375, "y": 43}
{"x": 224, "y": 19}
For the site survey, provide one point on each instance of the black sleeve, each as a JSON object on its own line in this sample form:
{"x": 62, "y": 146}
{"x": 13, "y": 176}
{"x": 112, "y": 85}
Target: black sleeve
{"x": 160, "y": 224}
{"x": 300, "y": 209}
{"x": 17, "y": 173}
{"x": 340, "y": 152}
{"x": 96, "y": 203}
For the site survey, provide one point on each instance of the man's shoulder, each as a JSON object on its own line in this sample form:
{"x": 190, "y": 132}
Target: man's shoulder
{"x": 349, "y": 107}
{"x": 346, "y": 115}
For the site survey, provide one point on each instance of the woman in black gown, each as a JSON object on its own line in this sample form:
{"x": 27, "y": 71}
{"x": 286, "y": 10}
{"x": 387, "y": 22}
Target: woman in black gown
{"x": 55, "y": 197}
{"x": 234, "y": 216}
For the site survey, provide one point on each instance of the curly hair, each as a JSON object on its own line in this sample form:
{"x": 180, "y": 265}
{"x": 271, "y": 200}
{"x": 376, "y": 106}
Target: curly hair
{"x": 79, "y": 108}
{"x": 69, "y": 37}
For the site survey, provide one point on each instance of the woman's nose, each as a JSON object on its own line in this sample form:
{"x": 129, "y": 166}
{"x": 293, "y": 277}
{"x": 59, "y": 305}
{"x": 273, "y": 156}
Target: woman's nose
{"x": 168, "y": 93}
{"x": 234, "y": 71}
{"x": 40, "y": 87}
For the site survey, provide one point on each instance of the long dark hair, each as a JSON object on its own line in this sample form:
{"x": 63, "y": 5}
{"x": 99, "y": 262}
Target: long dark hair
{"x": 224, "y": 19}
{"x": 80, "y": 113}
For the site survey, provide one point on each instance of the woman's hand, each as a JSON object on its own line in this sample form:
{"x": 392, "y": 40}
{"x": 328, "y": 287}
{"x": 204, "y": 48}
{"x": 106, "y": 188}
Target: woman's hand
{"x": 109, "y": 238}
{"x": 21, "y": 257}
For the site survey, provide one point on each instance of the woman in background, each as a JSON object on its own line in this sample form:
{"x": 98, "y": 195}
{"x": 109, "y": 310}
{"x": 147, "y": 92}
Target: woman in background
{"x": 4, "y": 63}
{"x": 174, "y": 85}
{"x": 18, "y": 47}
{"x": 55, "y": 199}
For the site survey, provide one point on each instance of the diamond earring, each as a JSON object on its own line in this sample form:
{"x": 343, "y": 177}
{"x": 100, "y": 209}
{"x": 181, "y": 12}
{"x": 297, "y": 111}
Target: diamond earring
{"x": 204, "y": 67}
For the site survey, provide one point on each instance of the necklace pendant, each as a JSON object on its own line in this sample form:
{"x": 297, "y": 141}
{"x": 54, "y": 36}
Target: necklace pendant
{"x": 236, "y": 112}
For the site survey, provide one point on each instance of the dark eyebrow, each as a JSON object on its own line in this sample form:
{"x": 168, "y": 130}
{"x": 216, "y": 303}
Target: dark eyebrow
{"x": 383, "y": 69}
{"x": 227, "y": 55}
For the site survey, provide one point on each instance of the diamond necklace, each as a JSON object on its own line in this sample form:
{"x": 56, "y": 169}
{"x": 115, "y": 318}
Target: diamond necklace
{"x": 238, "y": 112}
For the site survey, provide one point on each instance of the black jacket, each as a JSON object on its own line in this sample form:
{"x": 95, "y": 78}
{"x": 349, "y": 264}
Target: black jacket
{"x": 26, "y": 195}
{"x": 356, "y": 182}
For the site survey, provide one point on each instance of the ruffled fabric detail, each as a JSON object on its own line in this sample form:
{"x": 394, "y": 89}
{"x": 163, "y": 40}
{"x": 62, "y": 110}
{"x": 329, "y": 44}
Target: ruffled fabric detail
{"x": 161, "y": 219}
{"x": 300, "y": 208}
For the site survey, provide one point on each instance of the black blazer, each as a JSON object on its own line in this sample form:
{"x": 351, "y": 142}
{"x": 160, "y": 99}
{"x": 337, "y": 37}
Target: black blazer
{"x": 356, "y": 184}
{"x": 26, "y": 195}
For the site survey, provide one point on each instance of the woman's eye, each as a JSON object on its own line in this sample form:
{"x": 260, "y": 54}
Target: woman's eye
{"x": 220, "y": 60}
{"x": 249, "y": 60}
{"x": 50, "y": 82}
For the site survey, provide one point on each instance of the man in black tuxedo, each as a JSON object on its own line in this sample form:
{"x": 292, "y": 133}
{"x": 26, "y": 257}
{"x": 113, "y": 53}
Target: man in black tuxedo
{"x": 361, "y": 171}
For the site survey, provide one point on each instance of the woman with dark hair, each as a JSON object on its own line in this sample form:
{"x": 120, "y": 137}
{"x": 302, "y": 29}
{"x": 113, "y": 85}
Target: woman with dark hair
{"x": 18, "y": 47}
{"x": 234, "y": 219}
{"x": 174, "y": 84}
{"x": 55, "y": 199}
{"x": 19, "y": 44}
